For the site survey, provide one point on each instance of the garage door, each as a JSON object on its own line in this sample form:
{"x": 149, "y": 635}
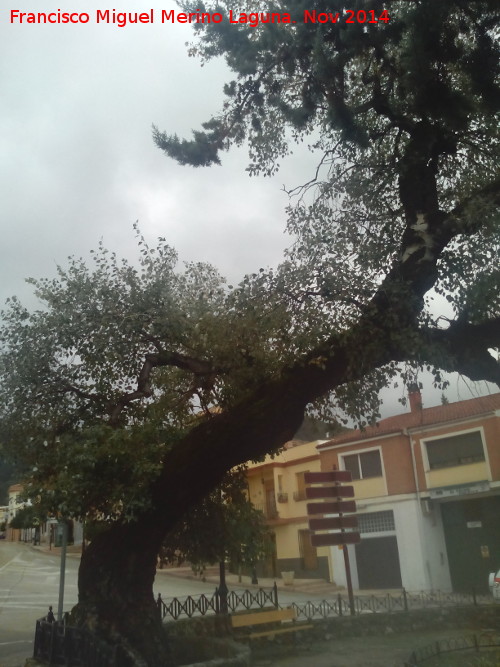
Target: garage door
{"x": 377, "y": 561}
{"x": 472, "y": 534}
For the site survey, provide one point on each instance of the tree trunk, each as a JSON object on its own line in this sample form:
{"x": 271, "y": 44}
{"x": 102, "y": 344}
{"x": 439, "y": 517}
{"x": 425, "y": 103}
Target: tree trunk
{"x": 116, "y": 599}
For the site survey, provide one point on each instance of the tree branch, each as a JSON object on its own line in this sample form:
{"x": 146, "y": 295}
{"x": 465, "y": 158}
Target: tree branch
{"x": 198, "y": 367}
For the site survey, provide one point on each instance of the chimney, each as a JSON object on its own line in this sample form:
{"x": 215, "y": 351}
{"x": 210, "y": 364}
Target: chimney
{"x": 415, "y": 397}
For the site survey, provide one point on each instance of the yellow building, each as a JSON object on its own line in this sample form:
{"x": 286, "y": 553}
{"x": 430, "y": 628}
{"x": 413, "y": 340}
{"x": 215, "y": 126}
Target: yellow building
{"x": 276, "y": 486}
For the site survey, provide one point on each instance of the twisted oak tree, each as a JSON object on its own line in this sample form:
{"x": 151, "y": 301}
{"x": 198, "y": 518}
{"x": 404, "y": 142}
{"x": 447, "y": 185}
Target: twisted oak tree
{"x": 108, "y": 393}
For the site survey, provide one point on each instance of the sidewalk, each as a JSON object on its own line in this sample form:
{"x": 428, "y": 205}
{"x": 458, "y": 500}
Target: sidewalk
{"x": 316, "y": 587}
{"x": 75, "y": 551}
{"x": 211, "y": 574}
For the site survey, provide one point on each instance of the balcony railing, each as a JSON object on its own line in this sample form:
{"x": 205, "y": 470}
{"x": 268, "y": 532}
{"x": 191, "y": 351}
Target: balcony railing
{"x": 282, "y": 497}
{"x": 269, "y": 510}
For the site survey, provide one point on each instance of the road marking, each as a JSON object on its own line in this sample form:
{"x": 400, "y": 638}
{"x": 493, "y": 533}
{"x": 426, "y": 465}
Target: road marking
{"x": 18, "y": 641}
{"x": 9, "y": 562}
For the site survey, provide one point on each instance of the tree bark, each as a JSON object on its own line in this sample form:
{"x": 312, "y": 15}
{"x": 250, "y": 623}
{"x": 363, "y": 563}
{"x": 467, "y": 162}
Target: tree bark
{"x": 115, "y": 584}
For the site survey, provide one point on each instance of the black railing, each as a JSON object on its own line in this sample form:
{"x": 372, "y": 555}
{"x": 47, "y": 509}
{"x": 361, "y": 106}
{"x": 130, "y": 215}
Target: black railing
{"x": 386, "y": 603}
{"x": 437, "y": 648}
{"x": 61, "y": 644}
{"x": 202, "y": 605}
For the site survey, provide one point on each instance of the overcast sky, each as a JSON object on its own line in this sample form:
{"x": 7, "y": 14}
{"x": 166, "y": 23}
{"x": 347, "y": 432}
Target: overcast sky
{"x": 77, "y": 162}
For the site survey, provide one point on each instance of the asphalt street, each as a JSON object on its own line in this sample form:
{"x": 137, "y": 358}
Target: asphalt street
{"x": 29, "y": 583}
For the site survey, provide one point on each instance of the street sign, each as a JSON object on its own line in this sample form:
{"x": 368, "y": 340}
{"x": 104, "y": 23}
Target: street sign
{"x": 331, "y": 488}
{"x": 327, "y": 477}
{"x": 334, "y": 523}
{"x": 313, "y": 492}
{"x": 335, "y": 507}
{"x": 332, "y": 539}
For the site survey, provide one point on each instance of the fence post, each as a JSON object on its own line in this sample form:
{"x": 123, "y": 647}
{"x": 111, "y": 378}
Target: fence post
{"x": 223, "y": 589}
{"x": 474, "y": 599}
{"x": 217, "y": 600}
{"x": 275, "y": 595}
{"x": 52, "y": 646}
{"x": 339, "y": 600}
{"x": 159, "y": 606}
{"x": 405, "y": 600}
{"x": 38, "y": 636}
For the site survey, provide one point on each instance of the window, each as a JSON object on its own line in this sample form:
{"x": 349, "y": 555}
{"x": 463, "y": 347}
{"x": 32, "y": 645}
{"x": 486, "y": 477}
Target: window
{"x": 376, "y": 522}
{"x": 366, "y": 464}
{"x": 300, "y": 494}
{"x": 455, "y": 451}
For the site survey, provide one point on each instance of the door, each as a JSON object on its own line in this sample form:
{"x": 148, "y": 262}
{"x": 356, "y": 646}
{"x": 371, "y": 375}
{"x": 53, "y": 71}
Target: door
{"x": 377, "y": 560}
{"x": 308, "y": 553}
{"x": 472, "y": 534}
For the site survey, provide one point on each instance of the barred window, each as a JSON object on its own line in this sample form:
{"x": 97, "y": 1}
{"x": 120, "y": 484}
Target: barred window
{"x": 376, "y": 522}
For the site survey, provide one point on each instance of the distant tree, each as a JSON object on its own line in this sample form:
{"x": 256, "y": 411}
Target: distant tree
{"x": 98, "y": 388}
{"x": 7, "y": 478}
{"x": 224, "y": 526}
{"x": 26, "y": 517}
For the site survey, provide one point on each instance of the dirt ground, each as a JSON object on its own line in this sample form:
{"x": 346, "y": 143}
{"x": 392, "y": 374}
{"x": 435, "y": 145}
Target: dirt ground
{"x": 384, "y": 651}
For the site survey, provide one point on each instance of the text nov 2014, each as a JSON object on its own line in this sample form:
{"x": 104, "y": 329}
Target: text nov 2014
{"x": 252, "y": 19}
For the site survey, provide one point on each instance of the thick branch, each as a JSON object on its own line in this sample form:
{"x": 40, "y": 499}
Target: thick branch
{"x": 198, "y": 367}
{"x": 465, "y": 348}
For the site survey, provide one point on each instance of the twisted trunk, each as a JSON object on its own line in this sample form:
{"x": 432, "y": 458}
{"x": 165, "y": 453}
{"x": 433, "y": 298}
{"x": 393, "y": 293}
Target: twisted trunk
{"x": 116, "y": 599}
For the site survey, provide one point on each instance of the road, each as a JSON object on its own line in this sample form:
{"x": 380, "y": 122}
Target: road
{"x": 29, "y": 583}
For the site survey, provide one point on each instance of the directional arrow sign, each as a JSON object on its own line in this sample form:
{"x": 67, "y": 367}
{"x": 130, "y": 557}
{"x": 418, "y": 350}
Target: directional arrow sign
{"x": 332, "y": 539}
{"x": 313, "y": 492}
{"x": 334, "y": 523}
{"x": 335, "y": 507}
{"x": 327, "y": 477}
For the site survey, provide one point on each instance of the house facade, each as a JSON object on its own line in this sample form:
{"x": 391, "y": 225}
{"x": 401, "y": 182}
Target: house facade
{"x": 427, "y": 487}
{"x": 276, "y": 486}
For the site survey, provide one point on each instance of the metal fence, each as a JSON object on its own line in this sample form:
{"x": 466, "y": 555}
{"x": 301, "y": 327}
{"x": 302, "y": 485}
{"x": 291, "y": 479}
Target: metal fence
{"x": 336, "y": 606}
{"x": 438, "y": 648}
{"x": 386, "y": 603}
{"x": 218, "y": 603}
{"x": 61, "y": 644}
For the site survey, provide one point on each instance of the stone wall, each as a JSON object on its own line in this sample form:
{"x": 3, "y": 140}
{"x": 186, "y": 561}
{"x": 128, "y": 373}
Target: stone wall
{"x": 412, "y": 621}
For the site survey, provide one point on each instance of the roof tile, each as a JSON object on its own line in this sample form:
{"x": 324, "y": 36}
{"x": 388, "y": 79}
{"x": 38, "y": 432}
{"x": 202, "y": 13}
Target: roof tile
{"x": 423, "y": 417}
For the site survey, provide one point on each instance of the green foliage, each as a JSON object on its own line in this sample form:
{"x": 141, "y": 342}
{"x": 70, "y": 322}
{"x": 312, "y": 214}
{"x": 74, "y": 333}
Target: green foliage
{"x": 28, "y": 517}
{"x": 118, "y": 364}
{"x": 122, "y": 361}
{"x": 7, "y": 477}
{"x": 225, "y": 526}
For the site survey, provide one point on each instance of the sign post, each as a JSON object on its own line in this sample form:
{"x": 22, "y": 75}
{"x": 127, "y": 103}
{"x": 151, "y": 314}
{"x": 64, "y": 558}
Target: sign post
{"x": 337, "y": 506}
